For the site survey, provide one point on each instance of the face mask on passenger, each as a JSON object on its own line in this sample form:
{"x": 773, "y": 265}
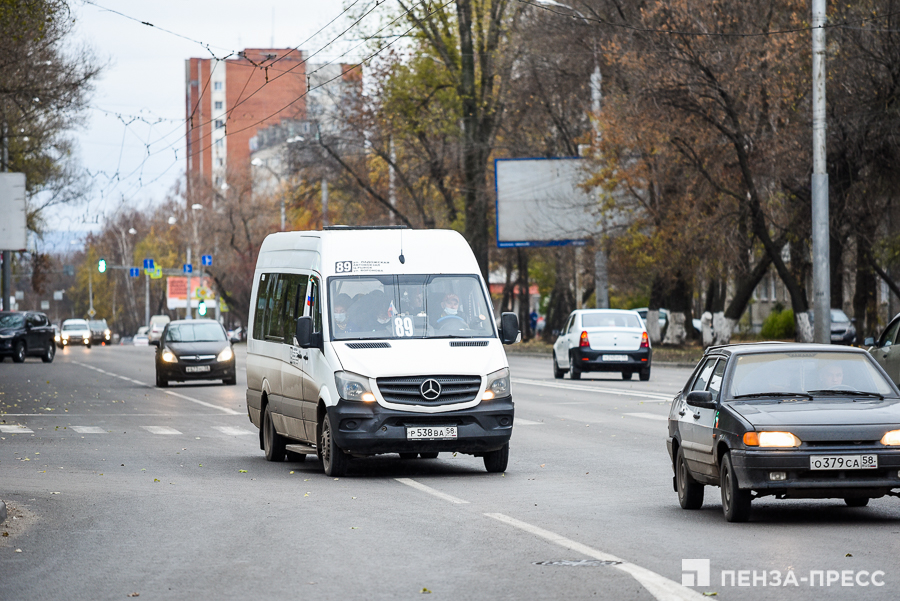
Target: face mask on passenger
{"x": 340, "y": 317}
{"x": 450, "y": 310}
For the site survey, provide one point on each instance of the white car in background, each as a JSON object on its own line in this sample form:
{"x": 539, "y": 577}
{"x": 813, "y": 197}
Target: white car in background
{"x": 604, "y": 340}
{"x": 75, "y": 332}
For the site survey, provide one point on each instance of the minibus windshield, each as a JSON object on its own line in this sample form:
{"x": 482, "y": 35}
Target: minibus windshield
{"x": 408, "y": 306}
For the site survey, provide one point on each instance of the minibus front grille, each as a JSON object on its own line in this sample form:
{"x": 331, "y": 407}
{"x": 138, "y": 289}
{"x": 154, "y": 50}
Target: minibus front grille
{"x": 408, "y": 390}
{"x": 359, "y": 345}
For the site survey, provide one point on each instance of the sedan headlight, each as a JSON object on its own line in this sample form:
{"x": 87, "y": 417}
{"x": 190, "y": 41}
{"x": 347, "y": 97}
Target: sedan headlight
{"x": 226, "y": 355}
{"x": 497, "y": 385}
{"x": 891, "y": 439}
{"x": 353, "y": 387}
{"x": 5, "y": 336}
{"x": 169, "y": 357}
{"x": 771, "y": 439}
{"x": 107, "y": 333}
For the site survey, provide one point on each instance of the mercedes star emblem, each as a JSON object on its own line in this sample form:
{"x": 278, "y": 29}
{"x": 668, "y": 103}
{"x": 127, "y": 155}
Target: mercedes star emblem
{"x": 430, "y": 389}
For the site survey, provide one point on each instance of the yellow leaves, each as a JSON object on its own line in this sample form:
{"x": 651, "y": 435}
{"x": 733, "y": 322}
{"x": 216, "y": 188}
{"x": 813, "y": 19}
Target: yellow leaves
{"x": 243, "y": 471}
{"x": 425, "y": 591}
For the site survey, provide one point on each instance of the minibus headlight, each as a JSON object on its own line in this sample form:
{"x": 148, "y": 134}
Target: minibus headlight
{"x": 353, "y": 387}
{"x": 497, "y": 385}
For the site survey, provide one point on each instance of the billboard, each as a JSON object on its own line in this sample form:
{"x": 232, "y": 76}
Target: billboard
{"x": 12, "y": 208}
{"x": 176, "y": 292}
{"x": 540, "y": 202}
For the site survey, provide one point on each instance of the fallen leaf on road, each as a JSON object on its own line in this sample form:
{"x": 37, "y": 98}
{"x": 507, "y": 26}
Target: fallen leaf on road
{"x": 136, "y": 594}
{"x": 847, "y": 555}
{"x": 710, "y": 594}
{"x": 425, "y": 591}
{"x": 290, "y": 472}
{"x": 156, "y": 479}
{"x": 245, "y": 471}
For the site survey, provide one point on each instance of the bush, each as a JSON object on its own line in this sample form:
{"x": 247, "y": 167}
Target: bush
{"x": 778, "y": 325}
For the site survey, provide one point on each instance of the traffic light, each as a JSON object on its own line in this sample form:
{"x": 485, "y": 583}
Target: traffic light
{"x": 101, "y": 265}
{"x": 201, "y": 308}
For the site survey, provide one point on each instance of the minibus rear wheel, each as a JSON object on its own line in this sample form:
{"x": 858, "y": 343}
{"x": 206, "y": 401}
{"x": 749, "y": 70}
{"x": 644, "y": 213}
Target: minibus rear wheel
{"x": 273, "y": 443}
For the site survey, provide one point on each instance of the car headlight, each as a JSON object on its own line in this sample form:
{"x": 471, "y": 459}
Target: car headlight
{"x": 497, "y": 385}
{"x": 107, "y": 333}
{"x": 353, "y": 387}
{"x": 65, "y": 336}
{"x": 226, "y": 355}
{"x": 169, "y": 357}
{"x": 891, "y": 439}
{"x": 771, "y": 439}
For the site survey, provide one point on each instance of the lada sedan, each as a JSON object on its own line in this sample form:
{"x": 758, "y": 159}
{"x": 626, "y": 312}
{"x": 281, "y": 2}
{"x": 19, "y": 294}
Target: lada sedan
{"x": 606, "y": 340}
{"x": 785, "y": 420}
{"x": 194, "y": 349}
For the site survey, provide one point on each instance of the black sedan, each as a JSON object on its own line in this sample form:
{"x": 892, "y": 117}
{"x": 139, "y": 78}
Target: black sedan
{"x": 785, "y": 420}
{"x": 24, "y": 333}
{"x": 195, "y": 349}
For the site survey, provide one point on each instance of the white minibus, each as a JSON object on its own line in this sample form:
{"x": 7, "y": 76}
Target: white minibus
{"x": 369, "y": 340}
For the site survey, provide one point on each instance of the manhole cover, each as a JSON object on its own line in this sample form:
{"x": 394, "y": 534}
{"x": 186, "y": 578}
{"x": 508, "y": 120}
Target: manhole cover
{"x": 578, "y": 563}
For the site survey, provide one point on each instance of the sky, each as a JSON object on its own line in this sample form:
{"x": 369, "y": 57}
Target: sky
{"x": 139, "y": 99}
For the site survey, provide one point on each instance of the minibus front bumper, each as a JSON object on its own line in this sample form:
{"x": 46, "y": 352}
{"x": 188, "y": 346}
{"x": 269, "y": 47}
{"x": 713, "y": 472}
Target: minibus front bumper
{"x": 370, "y": 429}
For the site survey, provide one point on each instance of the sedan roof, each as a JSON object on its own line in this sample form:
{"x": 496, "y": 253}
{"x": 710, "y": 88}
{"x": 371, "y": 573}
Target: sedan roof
{"x": 746, "y": 348}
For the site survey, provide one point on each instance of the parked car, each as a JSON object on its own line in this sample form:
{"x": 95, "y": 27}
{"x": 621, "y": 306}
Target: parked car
{"x": 24, "y": 333}
{"x": 843, "y": 330}
{"x": 238, "y": 334}
{"x": 100, "y": 332}
{"x": 157, "y": 325}
{"x": 75, "y": 332}
{"x": 195, "y": 349}
{"x": 663, "y": 317}
{"x": 606, "y": 340}
{"x": 140, "y": 340}
{"x": 786, "y": 420}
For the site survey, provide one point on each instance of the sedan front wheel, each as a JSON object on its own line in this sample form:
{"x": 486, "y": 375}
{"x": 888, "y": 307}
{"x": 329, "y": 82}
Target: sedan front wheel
{"x": 735, "y": 501}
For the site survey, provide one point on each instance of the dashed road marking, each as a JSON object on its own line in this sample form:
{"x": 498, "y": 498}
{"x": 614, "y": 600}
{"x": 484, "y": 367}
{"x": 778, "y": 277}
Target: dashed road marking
{"x": 526, "y": 422}
{"x": 233, "y": 431}
{"x": 160, "y": 430}
{"x": 16, "y": 430}
{"x": 655, "y": 396}
{"x": 655, "y": 416}
{"x": 89, "y": 430}
{"x": 657, "y": 585}
{"x": 429, "y": 490}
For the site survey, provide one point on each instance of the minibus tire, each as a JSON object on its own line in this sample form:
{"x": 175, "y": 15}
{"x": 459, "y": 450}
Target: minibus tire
{"x": 273, "y": 443}
{"x": 333, "y": 458}
{"x": 496, "y": 461}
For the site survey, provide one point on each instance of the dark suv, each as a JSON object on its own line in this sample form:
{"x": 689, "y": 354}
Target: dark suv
{"x": 100, "y": 333}
{"x": 24, "y": 333}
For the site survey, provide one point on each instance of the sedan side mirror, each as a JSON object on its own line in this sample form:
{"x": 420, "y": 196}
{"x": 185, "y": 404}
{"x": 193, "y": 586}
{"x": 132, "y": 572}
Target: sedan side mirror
{"x": 701, "y": 398}
{"x": 155, "y": 343}
{"x": 869, "y": 341}
{"x": 509, "y": 328}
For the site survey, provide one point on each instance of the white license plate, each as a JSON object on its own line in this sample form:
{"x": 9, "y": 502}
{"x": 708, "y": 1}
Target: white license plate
{"x": 193, "y": 369}
{"x": 431, "y": 433}
{"x": 843, "y": 462}
{"x": 615, "y": 357}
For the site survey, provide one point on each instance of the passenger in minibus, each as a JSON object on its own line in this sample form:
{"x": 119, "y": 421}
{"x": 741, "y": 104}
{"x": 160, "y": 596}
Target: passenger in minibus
{"x": 342, "y": 323}
{"x": 450, "y": 315}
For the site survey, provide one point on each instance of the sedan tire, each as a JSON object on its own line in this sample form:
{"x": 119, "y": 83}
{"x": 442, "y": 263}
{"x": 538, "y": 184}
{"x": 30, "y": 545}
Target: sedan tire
{"x": 626, "y": 375}
{"x": 735, "y": 501}
{"x": 574, "y": 372}
{"x": 690, "y": 492}
{"x": 161, "y": 382}
{"x": 557, "y": 372}
{"x": 645, "y": 374}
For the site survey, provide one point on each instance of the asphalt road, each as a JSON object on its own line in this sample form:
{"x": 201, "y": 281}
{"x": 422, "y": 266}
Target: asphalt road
{"x": 122, "y": 488}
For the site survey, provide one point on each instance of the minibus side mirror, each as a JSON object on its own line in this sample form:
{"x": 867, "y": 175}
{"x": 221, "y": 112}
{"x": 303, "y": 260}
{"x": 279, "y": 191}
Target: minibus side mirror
{"x": 303, "y": 332}
{"x": 509, "y": 328}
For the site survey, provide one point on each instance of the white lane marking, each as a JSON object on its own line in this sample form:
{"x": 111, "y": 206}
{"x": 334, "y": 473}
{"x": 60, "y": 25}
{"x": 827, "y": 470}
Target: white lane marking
{"x": 644, "y": 395}
{"x": 232, "y": 431}
{"x": 16, "y": 430}
{"x": 429, "y": 490}
{"x": 663, "y": 418}
{"x": 518, "y": 421}
{"x": 160, "y": 430}
{"x": 181, "y": 396}
{"x": 89, "y": 430}
{"x": 659, "y": 586}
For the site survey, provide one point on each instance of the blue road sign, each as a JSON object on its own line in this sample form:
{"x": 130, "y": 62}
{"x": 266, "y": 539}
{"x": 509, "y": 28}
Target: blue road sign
{"x": 206, "y": 260}
{"x": 148, "y": 264}
{"x": 134, "y": 272}
{"x": 188, "y": 268}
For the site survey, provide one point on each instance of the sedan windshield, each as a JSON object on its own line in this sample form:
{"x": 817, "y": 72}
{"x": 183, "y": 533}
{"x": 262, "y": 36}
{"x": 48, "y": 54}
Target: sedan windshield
{"x": 804, "y": 373}
{"x": 12, "y": 320}
{"x": 408, "y": 306}
{"x": 196, "y": 332}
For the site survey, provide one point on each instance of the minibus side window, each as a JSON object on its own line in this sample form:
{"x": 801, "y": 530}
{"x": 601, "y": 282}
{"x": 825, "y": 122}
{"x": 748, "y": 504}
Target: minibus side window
{"x": 294, "y": 302}
{"x": 261, "y": 300}
{"x": 275, "y": 309}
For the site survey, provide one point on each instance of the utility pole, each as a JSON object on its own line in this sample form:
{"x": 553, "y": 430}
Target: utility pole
{"x": 7, "y": 254}
{"x": 189, "y": 312}
{"x": 820, "y": 230}
{"x": 146, "y": 299}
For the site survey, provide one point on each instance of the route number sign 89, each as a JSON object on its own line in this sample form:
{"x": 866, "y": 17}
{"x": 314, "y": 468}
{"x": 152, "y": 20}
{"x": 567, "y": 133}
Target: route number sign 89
{"x": 343, "y": 267}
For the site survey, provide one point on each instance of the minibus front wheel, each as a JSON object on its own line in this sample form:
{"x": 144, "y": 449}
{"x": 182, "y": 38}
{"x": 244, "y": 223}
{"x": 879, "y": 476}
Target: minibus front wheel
{"x": 333, "y": 458}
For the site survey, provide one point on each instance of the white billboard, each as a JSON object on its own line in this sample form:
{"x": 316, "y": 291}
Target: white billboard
{"x": 540, "y": 202}
{"x": 12, "y": 209}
